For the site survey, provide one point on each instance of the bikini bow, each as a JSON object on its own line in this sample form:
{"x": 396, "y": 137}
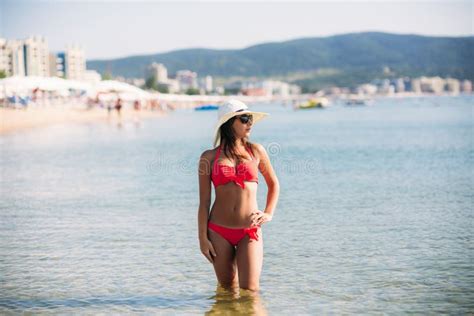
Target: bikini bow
{"x": 237, "y": 175}
{"x": 239, "y": 180}
{"x": 252, "y": 232}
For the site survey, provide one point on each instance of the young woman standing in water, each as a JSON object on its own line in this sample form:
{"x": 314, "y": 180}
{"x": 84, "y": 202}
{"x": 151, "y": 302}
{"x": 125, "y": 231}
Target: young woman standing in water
{"x": 230, "y": 236}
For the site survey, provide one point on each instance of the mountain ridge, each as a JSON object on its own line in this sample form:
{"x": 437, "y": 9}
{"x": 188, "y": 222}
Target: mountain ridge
{"x": 352, "y": 54}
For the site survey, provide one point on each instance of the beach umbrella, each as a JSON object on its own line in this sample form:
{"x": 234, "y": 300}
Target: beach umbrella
{"x": 20, "y": 84}
{"x": 122, "y": 89}
{"x": 78, "y": 85}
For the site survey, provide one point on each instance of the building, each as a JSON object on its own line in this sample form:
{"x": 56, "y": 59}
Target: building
{"x": 255, "y": 92}
{"x": 295, "y": 89}
{"x": 273, "y": 87}
{"x": 70, "y": 64}
{"x": 3, "y": 55}
{"x": 158, "y": 71}
{"x": 53, "y": 66}
{"x": 416, "y": 85}
{"x": 36, "y": 56}
{"x": 220, "y": 90}
{"x": 12, "y": 60}
{"x": 367, "y": 88}
{"x": 263, "y": 88}
{"x": 408, "y": 84}
{"x": 384, "y": 86}
{"x": 432, "y": 84}
{"x": 31, "y": 57}
{"x": 269, "y": 87}
{"x": 173, "y": 86}
{"x": 57, "y": 65}
{"x": 206, "y": 84}
{"x": 74, "y": 62}
{"x": 399, "y": 85}
{"x": 187, "y": 79}
{"x": 452, "y": 85}
{"x": 466, "y": 86}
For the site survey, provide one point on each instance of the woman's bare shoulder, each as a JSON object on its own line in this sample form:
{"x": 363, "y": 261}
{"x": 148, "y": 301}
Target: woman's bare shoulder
{"x": 209, "y": 154}
{"x": 258, "y": 149}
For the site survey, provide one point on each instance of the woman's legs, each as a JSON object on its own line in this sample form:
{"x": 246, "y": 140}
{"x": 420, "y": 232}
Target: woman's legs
{"x": 224, "y": 263}
{"x": 249, "y": 256}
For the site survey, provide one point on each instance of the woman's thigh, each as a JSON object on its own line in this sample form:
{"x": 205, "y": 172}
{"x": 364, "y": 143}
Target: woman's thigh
{"x": 249, "y": 256}
{"x": 224, "y": 263}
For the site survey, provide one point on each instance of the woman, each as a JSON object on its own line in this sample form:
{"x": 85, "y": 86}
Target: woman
{"x": 230, "y": 236}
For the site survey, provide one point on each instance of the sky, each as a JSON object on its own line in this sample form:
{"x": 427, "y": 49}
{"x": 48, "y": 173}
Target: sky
{"x": 113, "y": 29}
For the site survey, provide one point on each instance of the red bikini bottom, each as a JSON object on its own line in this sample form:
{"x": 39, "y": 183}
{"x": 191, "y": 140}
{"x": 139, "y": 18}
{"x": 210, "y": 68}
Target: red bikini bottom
{"x": 234, "y": 235}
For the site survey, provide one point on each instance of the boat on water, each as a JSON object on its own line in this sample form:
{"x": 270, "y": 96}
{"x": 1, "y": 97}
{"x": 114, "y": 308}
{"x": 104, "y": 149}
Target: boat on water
{"x": 206, "y": 107}
{"x": 314, "y": 103}
{"x": 357, "y": 100}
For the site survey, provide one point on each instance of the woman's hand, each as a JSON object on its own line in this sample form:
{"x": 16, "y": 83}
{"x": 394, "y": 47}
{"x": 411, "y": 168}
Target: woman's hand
{"x": 259, "y": 218}
{"x": 207, "y": 249}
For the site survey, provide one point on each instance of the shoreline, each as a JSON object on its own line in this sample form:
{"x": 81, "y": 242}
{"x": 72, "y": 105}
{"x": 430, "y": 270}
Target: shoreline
{"x": 14, "y": 120}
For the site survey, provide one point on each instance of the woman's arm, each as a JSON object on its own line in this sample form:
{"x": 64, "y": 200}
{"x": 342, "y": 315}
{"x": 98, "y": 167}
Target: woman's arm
{"x": 265, "y": 167}
{"x": 204, "y": 173}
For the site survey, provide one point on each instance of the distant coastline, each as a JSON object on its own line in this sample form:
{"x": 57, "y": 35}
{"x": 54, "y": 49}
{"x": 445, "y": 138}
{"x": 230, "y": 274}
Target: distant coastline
{"x": 344, "y": 60}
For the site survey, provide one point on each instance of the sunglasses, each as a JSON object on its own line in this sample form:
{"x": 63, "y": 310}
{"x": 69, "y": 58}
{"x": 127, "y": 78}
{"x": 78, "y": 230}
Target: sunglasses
{"x": 245, "y": 118}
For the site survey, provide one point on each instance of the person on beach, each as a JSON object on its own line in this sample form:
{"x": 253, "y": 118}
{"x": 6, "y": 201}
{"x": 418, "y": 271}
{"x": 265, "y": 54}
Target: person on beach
{"x": 136, "y": 109}
{"x": 136, "y": 105}
{"x": 118, "y": 106}
{"x": 230, "y": 236}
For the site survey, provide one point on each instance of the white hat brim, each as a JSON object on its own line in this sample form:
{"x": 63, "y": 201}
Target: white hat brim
{"x": 257, "y": 116}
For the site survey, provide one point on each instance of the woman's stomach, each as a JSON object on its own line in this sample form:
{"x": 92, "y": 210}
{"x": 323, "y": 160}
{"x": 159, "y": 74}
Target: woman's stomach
{"x": 234, "y": 205}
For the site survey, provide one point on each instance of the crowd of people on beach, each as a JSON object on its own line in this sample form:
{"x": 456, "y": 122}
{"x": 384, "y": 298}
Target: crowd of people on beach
{"x": 39, "y": 99}
{"x": 118, "y": 104}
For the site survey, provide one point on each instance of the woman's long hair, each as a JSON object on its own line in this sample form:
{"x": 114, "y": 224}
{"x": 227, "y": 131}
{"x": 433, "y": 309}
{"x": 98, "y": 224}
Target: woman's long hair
{"x": 228, "y": 140}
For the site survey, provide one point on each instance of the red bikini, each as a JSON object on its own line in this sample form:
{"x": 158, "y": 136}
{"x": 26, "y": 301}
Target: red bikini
{"x": 234, "y": 235}
{"x": 223, "y": 174}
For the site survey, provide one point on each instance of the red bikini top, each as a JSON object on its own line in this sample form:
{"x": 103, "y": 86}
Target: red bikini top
{"x": 222, "y": 174}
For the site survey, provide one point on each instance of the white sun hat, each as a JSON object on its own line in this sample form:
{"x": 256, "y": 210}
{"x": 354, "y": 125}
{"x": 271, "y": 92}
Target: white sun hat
{"x": 230, "y": 109}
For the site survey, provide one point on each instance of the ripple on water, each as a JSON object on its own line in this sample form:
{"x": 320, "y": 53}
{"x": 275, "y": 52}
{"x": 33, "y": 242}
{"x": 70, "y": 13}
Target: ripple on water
{"x": 374, "y": 215}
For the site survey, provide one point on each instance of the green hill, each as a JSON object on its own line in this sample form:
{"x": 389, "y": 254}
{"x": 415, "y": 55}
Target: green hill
{"x": 343, "y": 60}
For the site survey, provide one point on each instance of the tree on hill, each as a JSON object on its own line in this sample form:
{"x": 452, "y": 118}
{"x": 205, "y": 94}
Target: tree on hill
{"x": 150, "y": 83}
{"x": 192, "y": 91}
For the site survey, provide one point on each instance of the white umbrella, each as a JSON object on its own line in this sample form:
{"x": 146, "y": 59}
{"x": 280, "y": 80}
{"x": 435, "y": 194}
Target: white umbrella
{"x": 20, "y": 84}
{"x": 125, "y": 90}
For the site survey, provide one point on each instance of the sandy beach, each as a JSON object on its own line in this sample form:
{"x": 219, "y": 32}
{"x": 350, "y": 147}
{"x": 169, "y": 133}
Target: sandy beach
{"x": 12, "y": 120}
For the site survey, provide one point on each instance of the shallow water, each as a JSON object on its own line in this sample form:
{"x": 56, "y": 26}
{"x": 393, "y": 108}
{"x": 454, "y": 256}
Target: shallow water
{"x": 375, "y": 213}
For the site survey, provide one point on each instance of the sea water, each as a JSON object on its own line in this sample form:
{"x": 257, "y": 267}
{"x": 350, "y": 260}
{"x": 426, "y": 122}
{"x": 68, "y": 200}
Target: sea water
{"x": 375, "y": 213}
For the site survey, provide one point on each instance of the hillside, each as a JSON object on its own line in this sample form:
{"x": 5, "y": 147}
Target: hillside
{"x": 316, "y": 62}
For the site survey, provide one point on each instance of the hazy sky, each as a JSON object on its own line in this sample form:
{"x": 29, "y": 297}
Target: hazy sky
{"x": 109, "y": 29}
